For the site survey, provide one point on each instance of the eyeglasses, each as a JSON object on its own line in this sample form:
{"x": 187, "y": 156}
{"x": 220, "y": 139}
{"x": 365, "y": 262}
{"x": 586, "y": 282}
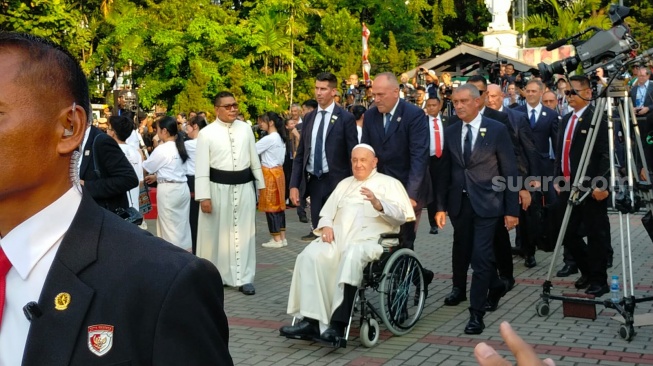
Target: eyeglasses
{"x": 229, "y": 106}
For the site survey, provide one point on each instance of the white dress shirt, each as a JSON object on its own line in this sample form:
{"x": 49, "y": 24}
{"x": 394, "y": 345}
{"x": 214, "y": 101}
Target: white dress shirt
{"x": 392, "y": 113}
{"x": 136, "y": 160}
{"x": 432, "y": 130}
{"x": 166, "y": 163}
{"x": 476, "y": 126}
{"x": 538, "y": 110}
{"x": 316, "y": 127}
{"x": 191, "y": 150}
{"x": 564, "y": 137}
{"x": 272, "y": 150}
{"x": 31, "y": 248}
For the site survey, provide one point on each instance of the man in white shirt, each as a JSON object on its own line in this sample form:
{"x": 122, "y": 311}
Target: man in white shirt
{"x": 437, "y": 124}
{"x": 85, "y": 274}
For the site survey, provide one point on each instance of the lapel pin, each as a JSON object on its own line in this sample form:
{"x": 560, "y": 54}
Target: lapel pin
{"x": 87, "y": 152}
{"x": 483, "y": 130}
{"x": 62, "y": 301}
{"x": 544, "y": 113}
{"x": 398, "y": 119}
{"x": 583, "y": 131}
{"x": 100, "y": 339}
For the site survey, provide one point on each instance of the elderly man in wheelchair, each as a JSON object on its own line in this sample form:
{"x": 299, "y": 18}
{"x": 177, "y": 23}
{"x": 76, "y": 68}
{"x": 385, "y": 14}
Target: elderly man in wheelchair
{"x": 329, "y": 271}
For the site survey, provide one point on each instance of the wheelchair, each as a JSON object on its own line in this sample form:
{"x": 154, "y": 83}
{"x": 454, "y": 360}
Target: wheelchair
{"x": 397, "y": 280}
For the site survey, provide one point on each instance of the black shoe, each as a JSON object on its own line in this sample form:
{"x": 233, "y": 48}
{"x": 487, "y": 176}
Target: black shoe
{"x": 331, "y": 335}
{"x": 493, "y": 297}
{"x": 530, "y": 261}
{"x": 610, "y": 262}
{"x": 247, "y": 289}
{"x": 567, "y": 270}
{"x": 455, "y": 297}
{"x": 434, "y": 230}
{"x": 428, "y": 278}
{"x": 597, "y": 290}
{"x": 309, "y": 237}
{"x": 475, "y": 324}
{"x": 303, "y": 218}
{"x": 304, "y": 329}
{"x": 582, "y": 282}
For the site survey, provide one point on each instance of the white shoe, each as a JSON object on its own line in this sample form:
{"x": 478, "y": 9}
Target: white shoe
{"x": 273, "y": 244}
{"x": 285, "y": 242}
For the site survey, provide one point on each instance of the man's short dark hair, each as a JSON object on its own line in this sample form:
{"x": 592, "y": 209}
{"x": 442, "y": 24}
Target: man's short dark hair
{"x": 583, "y": 80}
{"x": 561, "y": 80}
{"x": 477, "y": 79}
{"x": 311, "y": 103}
{"x": 49, "y": 69}
{"x": 421, "y": 88}
{"x": 358, "y": 111}
{"x": 327, "y": 76}
{"x": 182, "y": 114}
{"x": 122, "y": 126}
{"x": 222, "y": 94}
{"x": 435, "y": 97}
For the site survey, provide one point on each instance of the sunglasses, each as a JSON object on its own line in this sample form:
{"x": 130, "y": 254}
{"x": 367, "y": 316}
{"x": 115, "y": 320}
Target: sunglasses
{"x": 229, "y": 106}
{"x": 573, "y": 91}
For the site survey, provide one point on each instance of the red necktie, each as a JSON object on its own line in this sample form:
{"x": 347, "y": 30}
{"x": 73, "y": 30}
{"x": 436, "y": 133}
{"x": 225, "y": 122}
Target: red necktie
{"x": 566, "y": 171}
{"x": 5, "y": 265}
{"x": 438, "y": 143}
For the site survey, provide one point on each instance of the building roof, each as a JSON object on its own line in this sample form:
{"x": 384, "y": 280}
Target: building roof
{"x": 467, "y": 58}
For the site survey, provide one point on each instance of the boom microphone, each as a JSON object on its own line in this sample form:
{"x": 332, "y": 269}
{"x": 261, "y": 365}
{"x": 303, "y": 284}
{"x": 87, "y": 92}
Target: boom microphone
{"x": 556, "y": 44}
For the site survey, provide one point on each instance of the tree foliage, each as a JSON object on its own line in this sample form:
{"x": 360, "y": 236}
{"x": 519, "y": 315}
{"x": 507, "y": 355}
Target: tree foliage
{"x": 182, "y": 52}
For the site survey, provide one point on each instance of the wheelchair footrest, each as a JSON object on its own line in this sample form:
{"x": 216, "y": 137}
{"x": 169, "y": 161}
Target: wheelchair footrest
{"x": 291, "y": 336}
{"x": 339, "y": 343}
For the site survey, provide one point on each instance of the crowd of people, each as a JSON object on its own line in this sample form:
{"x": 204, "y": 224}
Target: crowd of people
{"x": 352, "y": 172}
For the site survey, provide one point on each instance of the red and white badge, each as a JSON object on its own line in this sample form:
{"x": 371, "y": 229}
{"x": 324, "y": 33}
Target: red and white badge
{"x": 100, "y": 339}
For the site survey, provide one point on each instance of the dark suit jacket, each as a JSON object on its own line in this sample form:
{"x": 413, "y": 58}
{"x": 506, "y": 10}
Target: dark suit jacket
{"x": 435, "y": 165}
{"x": 492, "y": 157}
{"x": 117, "y": 175}
{"x": 648, "y": 99}
{"x": 165, "y": 304}
{"x": 546, "y": 128}
{"x": 403, "y": 152}
{"x": 528, "y": 162}
{"x": 341, "y": 138}
{"x": 599, "y": 164}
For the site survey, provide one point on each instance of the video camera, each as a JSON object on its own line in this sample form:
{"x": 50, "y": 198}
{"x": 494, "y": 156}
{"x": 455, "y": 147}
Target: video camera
{"x": 130, "y": 98}
{"x": 605, "y": 47}
{"x": 358, "y": 91}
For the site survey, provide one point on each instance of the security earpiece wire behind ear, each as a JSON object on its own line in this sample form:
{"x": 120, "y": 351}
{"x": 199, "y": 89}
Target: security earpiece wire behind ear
{"x": 69, "y": 132}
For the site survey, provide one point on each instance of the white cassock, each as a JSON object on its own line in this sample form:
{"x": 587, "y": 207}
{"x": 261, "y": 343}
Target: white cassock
{"x": 322, "y": 269}
{"x": 227, "y": 236}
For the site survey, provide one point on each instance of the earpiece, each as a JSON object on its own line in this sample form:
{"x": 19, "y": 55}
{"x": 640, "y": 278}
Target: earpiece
{"x": 67, "y": 132}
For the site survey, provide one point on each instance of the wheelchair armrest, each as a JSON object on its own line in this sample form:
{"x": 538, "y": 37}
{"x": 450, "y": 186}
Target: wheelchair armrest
{"x": 390, "y": 236}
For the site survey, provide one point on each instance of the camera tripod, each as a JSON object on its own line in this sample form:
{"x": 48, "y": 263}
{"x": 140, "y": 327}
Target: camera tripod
{"x": 632, "y": 196}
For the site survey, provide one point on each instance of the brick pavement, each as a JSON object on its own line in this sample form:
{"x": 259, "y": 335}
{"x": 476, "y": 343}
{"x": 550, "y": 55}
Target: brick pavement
{"x": 438, "y": 338}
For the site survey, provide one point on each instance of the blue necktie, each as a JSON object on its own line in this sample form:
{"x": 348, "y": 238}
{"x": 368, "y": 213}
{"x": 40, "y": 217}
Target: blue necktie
{"x": 388, "y": 117}
{"x": 319, "y": 144}
{"x": 467, "y": 152}
{"x": 532, "y": 118}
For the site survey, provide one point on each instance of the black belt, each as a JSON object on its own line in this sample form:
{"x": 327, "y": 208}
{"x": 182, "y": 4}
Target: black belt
{"x": 321, "y": 177}
{"x": 231, "y": 177}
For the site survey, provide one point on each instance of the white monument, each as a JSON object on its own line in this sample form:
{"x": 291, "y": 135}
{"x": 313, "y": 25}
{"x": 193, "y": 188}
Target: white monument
{"x": 500, "y": 36}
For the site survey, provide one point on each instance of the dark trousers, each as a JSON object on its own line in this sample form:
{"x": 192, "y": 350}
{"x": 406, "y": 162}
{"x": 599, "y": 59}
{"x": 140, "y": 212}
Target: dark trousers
{"x": 588, "y": 219}
{"x": 473, "y": 243}
{"x": 343, "y": 312}
{"x": 287, "y": 172}
{"x": 276, "y": 222}
{"x": 194, "y": 211}
{"x": 301, "y": 209}
{"x": 503, "y": 250}
{"x": 319, "y": 190}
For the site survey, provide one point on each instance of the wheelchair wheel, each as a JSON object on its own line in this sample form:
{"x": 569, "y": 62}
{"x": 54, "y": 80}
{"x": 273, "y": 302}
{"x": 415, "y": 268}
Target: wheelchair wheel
{"x": 402, "y": 292}
{"x": 369, "y": 332}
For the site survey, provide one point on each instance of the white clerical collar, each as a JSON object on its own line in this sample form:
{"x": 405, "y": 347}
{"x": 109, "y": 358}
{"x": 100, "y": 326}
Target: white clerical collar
{"x": 28, "y": 242}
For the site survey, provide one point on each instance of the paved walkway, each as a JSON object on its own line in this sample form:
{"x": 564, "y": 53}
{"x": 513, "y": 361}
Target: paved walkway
{"x": 438, "y": 338}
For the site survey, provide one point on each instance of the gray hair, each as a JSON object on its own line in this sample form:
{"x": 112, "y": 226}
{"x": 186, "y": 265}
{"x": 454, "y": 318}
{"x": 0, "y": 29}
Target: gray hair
{"x": 473, "y": 90}
{"x": 392, "y": 79}
{"x": 538, "y": 82}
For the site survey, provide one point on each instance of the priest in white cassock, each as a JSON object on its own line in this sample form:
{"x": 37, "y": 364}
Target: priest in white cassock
{"x": 227, "y": 168}
{"x": 329, "y": 270}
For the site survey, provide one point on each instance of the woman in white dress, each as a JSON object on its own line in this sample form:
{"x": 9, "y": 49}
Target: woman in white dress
{"x": 193, "y": 127}
{"x": 120, "y": 129}
{"x": 272, "y": 200}
{"x": 165, "y": 166}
